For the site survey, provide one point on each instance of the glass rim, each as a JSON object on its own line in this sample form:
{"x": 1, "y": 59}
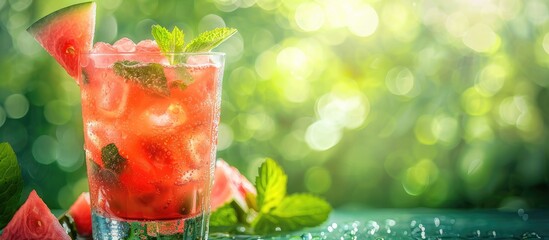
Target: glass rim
{"x": 155, "y": 54}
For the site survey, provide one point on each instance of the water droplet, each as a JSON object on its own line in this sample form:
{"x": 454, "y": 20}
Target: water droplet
{"x": 530, "y": 235}
{"x": 437, "y": 222}
{"x": 413, "y": 223}
{"x": 307, "y": 236}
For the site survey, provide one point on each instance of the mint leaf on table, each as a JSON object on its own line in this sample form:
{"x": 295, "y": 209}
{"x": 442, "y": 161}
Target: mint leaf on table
{"x": 149, "y": 75}
{"x": 112, "y": 159}
{"x": 294, "y": 212}
{"x": 271, "y": 185}
{"x": 11, "y": 184}
{"x": 208, "y": 40}
{"x": 224, "y": 216}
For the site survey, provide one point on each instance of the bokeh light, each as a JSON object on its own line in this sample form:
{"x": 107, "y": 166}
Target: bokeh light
{"x": 378, "y": 103}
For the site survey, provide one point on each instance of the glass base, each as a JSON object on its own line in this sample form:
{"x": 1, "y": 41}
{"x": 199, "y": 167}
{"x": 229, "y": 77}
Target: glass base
{"x": 189, "y": 229}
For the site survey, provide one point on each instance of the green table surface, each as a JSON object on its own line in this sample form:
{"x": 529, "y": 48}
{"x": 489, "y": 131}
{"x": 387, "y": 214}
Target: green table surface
{"x": 422, "y": 224}
{"x": 418, "y": 224}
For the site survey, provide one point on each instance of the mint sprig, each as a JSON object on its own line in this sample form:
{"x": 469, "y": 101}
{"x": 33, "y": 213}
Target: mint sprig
{"x": 168, "y": 41}
{"x": 276, "y": 212}
{"x": 11, "y": 184}
{"x": 173, "y": 42}
{"x": 151, "y": 76}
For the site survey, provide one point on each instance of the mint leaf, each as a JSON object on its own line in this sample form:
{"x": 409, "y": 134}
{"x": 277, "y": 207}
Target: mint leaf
{"x": 11, "y": 184}
{"x": 178, "y": 40}
{"x": 149, "y": 75}
{"x": 112, "y": 159}
{"x": 271, "y": 186}
{"x": 294, "y": 212}
{"x": 208, "y": 40}
{"x": 163, "y": 38}
{"x": 224, "y": 216}
{"x": 168, "y": 41}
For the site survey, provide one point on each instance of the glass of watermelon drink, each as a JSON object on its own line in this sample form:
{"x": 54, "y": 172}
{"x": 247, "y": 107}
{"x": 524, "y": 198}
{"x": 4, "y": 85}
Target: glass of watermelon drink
{"x": 150, "y": 129}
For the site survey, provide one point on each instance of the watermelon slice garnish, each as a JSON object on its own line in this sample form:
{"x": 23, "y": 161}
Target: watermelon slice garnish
{"x": 34, "y": 220}
{"x": 66, "y": 33}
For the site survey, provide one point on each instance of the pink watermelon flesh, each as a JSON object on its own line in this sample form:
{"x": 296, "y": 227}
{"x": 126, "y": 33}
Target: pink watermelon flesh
{"x": 34, "y": 220}
{"x": 229, "y": 185}
{"x": 80, "y": 211}
{"x": 66, "y": 33}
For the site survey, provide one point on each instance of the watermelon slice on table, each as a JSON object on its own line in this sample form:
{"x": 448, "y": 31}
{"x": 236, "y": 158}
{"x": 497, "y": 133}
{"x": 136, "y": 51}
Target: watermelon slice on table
{"x": 229, "y": 185}
{"x": 66, "y": 33}
{"x": 80, "y": 211}
{"x": 34, "y": 220}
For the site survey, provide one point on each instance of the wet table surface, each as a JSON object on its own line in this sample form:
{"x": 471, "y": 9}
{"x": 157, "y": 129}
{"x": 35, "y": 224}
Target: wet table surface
{"x": 422, "y": 224}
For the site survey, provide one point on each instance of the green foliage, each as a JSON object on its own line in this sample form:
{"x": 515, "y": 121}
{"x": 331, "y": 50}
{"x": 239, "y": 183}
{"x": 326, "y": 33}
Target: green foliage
{"x": 424, "y": 111}
{"x": 11, "y": 184}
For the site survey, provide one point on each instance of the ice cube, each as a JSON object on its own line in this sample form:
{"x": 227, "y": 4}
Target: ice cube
{"x": 198, "y": 60}
{"x": 101, "y": 47}
{"x": 113, "y": 97}
{"x": 165, "y": 115}
{"x": 147, "y": 46}
{"x": 102, "y": 61}
{"x": 200, "y": 147}
{"x": 125, "y": 45}
{"x": 99, "y": 134}
{"x": 148, "y": 51}
{"x": 188, "y": 176}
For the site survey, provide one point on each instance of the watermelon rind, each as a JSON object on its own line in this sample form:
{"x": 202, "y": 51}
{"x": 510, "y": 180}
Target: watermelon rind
{"x": 39, "y": 24}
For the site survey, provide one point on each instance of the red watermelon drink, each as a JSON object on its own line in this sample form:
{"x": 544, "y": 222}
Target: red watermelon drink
{"x": 150, "y": 130}
{"x": 150, "y": 116}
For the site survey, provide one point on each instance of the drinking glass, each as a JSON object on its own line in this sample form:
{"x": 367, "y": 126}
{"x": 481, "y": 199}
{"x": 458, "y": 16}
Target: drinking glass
{"x": 150, "y": 131}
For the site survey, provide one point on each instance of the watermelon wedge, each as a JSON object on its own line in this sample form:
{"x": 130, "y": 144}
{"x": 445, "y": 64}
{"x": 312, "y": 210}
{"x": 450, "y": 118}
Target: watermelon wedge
{"x": 66, "y": 33}
{"x": 229, "y": 185}
{"x": 80, "y": 211}
{"x": 34, "y": 220}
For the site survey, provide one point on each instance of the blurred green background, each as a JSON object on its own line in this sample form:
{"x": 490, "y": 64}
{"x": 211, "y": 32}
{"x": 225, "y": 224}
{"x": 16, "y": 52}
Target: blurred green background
{"x": 394, "y": 103}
